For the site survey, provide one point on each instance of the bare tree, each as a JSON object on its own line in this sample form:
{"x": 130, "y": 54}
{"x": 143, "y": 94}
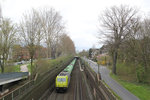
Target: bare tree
{"x": 118, "y": 23}
{"x": 31, "y": 32}
{"x": 52, "y": 27}
{"x": 7, "y": 39}
{"x": 66, "y": 45}
{"x": 142, "y": 48}
{"x": 136, "y": 50}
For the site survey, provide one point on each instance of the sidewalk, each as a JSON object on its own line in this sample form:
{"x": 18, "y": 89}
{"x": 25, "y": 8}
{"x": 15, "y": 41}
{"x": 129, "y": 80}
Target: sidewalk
{"x": 23, "y": 68}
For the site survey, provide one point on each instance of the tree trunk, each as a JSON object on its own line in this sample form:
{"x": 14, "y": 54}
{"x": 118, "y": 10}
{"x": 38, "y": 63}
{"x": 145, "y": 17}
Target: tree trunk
{"x": 115, "y": 54}
{"x": 3, "y": 63}
{"x": 145, "y": 62}
{"x": 48, "y": 52}
{"x": 2, "y": 67}
{"x": 31, "y": 67}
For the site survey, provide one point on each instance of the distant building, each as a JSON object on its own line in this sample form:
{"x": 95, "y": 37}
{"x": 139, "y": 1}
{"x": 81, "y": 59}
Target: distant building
{"x": 95, "y": 52}
{"x": 22, "y": 53}
{"x": 104, "y": 49}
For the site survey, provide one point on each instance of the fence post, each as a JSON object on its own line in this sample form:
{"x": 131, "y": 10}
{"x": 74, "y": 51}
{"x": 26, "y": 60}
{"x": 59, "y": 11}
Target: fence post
{"x": 19, "y": 91}
{"x": 12, "y": 96}
{"x": 25, "y": 87}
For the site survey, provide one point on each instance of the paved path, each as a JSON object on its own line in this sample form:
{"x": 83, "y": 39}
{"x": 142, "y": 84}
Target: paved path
{"x": 115, "y": 86}
{"x": 24, "y": 68}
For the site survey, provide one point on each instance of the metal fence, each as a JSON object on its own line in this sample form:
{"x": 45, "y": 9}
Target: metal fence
{"x": 18, "y": 91}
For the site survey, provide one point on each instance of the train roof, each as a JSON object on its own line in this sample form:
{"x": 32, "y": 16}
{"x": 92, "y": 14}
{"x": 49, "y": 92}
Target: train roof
{"x": 76, "y": 56}
{"x": 67, "y": 71}
{"x": 63, "y": 74}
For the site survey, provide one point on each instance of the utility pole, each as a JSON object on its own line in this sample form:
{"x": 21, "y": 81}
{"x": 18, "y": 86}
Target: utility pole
{"x": 98, "y": 63}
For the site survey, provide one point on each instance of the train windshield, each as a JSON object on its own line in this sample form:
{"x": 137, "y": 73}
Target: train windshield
{"x": 61, "y": 79}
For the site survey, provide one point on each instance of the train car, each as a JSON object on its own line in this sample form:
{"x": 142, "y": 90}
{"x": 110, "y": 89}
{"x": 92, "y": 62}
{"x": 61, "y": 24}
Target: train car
{"x": 63, "y": 78}
{"x": 62, "y": 82}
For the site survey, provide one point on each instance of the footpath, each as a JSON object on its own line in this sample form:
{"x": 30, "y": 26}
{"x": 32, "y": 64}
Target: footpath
{"x": 114, "y": 85}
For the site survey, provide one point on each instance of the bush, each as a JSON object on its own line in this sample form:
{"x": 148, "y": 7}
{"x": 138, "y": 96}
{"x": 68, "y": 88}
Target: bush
{"x": 132, "y": 73}
{"x": 15, "y": 68}
{"x": 126, "y": 71}
{"x": 140, "y": 73}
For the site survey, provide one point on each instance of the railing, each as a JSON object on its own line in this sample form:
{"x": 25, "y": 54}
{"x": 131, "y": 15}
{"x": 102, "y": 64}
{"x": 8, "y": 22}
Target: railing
{"x": 18, "y": 91}
{"x": 33, "y": 85}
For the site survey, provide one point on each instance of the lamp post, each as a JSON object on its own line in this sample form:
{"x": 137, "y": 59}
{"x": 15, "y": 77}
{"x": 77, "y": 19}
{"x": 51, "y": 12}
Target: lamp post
{"x": 98, "y": 67}
{"x": 98, "y": 63}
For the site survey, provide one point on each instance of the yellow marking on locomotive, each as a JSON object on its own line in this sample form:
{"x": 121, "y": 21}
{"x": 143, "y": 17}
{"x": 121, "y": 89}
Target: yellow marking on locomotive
{"x": 61, "y": 81}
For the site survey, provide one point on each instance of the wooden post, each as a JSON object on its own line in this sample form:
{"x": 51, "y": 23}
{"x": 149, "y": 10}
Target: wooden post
{"x": 98, "y": 69}
{"x": 94, "y": 94}
{"x": 1, "y": 88}
{"x": 12, "y": 96}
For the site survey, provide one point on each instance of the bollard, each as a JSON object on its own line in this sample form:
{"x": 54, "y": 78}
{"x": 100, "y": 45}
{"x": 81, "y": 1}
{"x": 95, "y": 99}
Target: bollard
{"x": 94, "y": 94}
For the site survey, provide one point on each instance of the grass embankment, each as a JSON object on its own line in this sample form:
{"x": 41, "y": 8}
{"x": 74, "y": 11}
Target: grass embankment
{"x": 41, "y": 66}
{"x": 15, "y": 68}
{"x": 29, "y": 67}
{"x": 126, "y": 76}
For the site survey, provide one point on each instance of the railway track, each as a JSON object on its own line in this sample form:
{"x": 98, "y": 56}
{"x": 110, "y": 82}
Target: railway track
{"x": 76, "y": 87}
{"x": 83, "y": 86}
{"x": 75, "y": 92}
{"x": 80, "y": 91}
{"x": 78, "y": 95}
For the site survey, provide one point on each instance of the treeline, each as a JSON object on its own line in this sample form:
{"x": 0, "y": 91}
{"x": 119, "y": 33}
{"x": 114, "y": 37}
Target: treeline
{"x": 37, "y": 28}
{"x": 127, "y": 36}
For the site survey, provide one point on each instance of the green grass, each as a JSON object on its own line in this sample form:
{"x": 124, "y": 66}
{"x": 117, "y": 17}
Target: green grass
{"x": 140, "y": 90}
{"x": 29, "y": 67}
{"x": 15, "y": 68}
{"x": 125, "y": 71}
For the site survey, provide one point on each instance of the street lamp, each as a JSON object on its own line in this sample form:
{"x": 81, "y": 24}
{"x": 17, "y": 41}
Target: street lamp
{"x": 98, "y": 63}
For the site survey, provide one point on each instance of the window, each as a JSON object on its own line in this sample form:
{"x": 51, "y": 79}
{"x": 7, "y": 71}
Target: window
{"x": 61, "y": 79}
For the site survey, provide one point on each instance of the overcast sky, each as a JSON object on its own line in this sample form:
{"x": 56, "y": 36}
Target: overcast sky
{"x": 81, "y": 16}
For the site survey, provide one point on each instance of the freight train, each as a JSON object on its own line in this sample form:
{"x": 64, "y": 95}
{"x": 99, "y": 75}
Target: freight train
{"x": 63, "y": 78}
